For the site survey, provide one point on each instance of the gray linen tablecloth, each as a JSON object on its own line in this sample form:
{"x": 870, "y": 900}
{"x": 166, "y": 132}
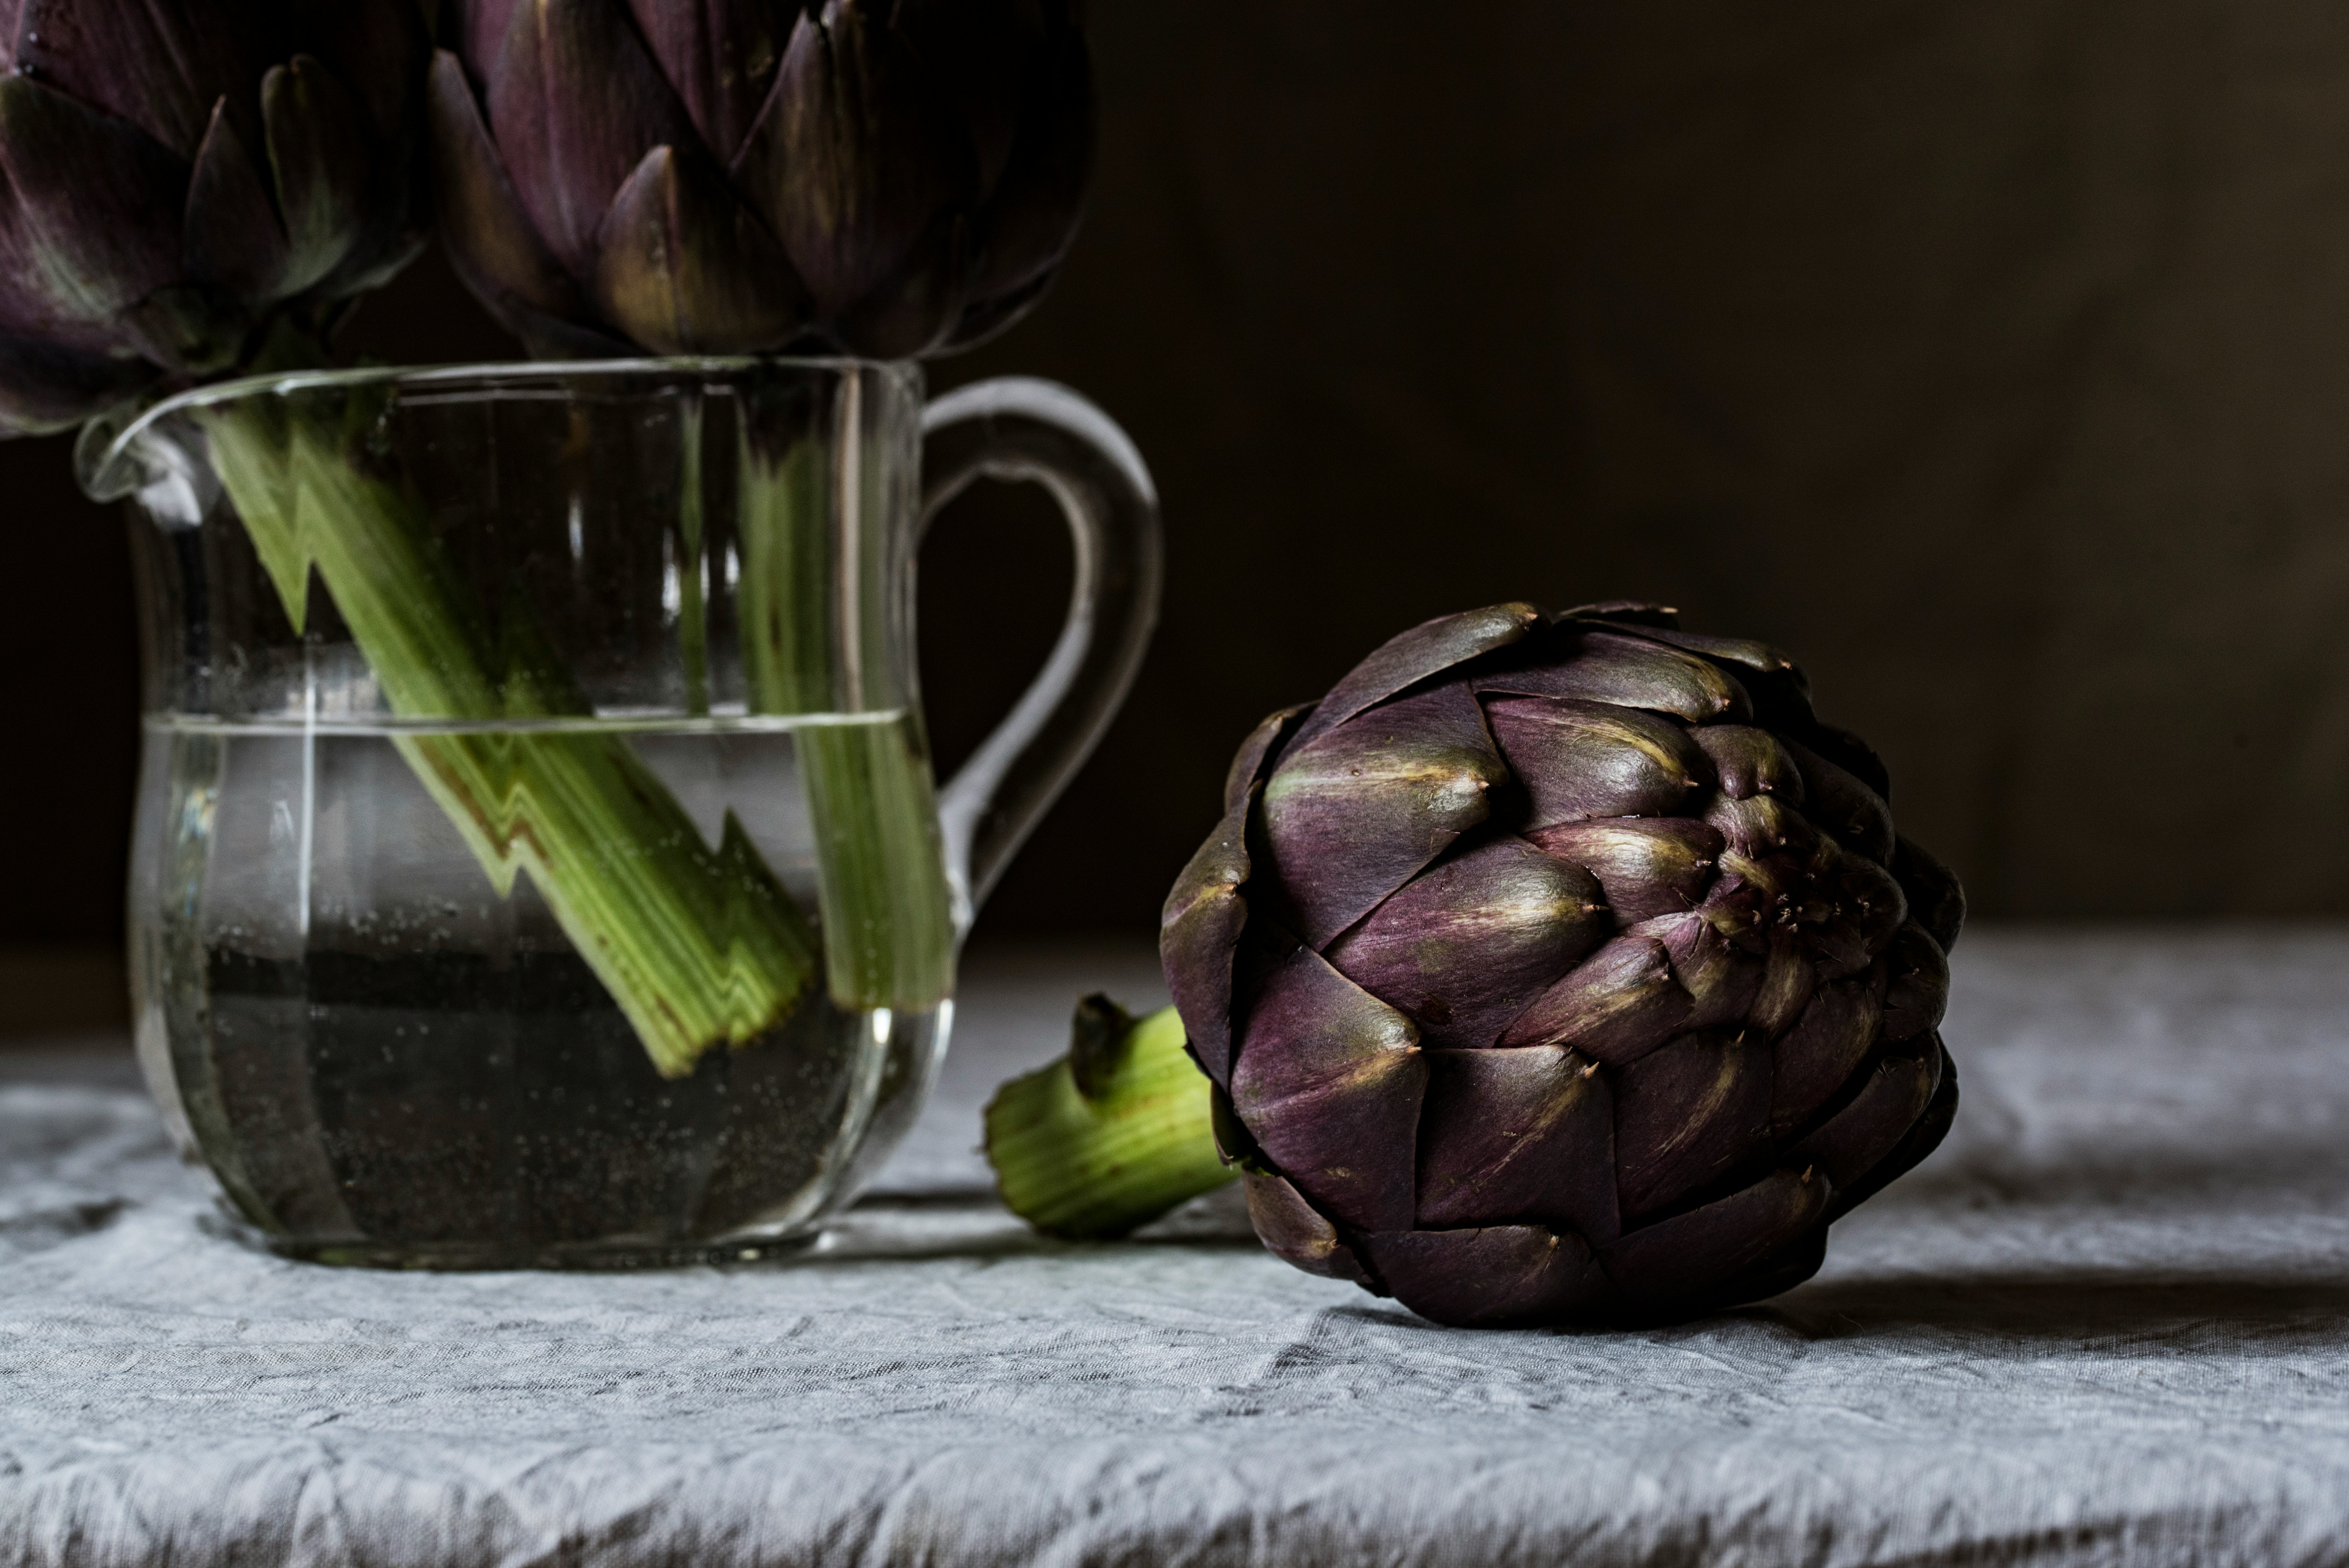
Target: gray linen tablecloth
{"x": 2108, "y": 1323}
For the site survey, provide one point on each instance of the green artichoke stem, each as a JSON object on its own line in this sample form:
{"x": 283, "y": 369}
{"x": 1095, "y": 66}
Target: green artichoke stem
{"x": 888, "y": 926}
{"x": 1112, "y": 1135}
{"x": 697, "y": 945}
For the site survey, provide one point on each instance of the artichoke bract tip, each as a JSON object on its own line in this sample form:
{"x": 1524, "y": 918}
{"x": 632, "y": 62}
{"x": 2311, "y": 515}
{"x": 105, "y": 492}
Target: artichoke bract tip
{"x": 1564, "y": 967}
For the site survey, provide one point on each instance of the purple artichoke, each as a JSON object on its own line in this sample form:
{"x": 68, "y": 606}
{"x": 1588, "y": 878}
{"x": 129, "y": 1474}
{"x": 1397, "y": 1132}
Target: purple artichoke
{"x": 177, "y": 176}
{"x": 897, "y": 177}
{"x": 1564, "y": 967}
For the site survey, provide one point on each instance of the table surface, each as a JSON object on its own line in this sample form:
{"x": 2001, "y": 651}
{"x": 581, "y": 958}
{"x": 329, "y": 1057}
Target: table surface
{"x": 2107, "y": 1323}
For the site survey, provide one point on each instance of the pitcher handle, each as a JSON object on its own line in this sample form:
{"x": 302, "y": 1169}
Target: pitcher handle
{"x": 1020, "y": 429}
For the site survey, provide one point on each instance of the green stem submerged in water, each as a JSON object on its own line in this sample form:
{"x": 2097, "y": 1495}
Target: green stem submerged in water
{"x": 696, "y": 945}
{"x": 1111, "y": 1135}
{"x": 888, "y": 920}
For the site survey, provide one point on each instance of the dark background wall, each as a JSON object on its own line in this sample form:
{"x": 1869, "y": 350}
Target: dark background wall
{"x": 1992, "y": 356}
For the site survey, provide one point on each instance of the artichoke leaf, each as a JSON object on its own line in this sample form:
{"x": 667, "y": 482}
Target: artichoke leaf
{"x": 1466, "y": 947}
{"x": 854, "y": 157}
{"x": 1685, "y": 1115}
{"x": 1523, "y": 1135}
{"x": 1352, "y": 815}
{"x": 1673, "y": 1263}
{"x": 1843, "y": 1019}
{"x": 232, "y": 238}
{"x": 1329, "y": 1080}
{"x": 1489, "y": 1277}
{"x": 1427, "y": 650}
{"x": 569, "y": 150}
{"x": 1629, "y": 672}
{"x": 1617, "y": 1005}
{"x": 1298, "y": 1233}
{"x": 1892, "y": 1095}
{"x": 1918, "y": 1142}
{"x": 1751, "y": 763}
{"x": 1936, "y": 900}
{"x": 89, "y": 209}
{"x": 1582, "y": 759}
{"x": 1648, "y": 865}
{"x": 1918, "y": 992}
{"x": 316, "y": 131}
{"x": 489, "y": 235}
{"x": 683, "y": 267}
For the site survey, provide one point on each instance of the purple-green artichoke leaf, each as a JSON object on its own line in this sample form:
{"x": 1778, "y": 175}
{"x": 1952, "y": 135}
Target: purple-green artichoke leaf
{"x": 1630, "y": 671}
{"x": 683, "y": 267}
{"x": 721, "y": 56}
{"x": 1918, "y": 1142}
{"x": 1720, "y": 982}
{"x": 1625, "y": 612}
{"x": 232, "y": 239}
{"x": 1512, "y": 1135}
{"x": 317, "y": 140}
{"x": 1328, "y": 1080}
{"x": 1788, "y": 980}
{"x": 1582, "y": 759}
{"x": 187, "y": 328}
{"x": 161, "y": 67}
{"x": 1648, "y": 865}
{"x": 1892, "y": 1095}
{"x": 1854, "y": 814}
{"x": 566, "y": 145}
{"x": 1774, "y": 1274}
{"x": 1855, "y": 756}
{"x": 1298, "y": 1233}
{"x": 1936, "y": 900}
{"x": 1199, "y": 927}
{"x": 1751, "y": 763}
{"x": 1409, "y": 658}
{"x": 1759, "y": 828}
{"x": 1467, "y": 945}
{"x": 1867, "y": 896}
{"x": 1674, "y": 1262}
{"x": 854, "y": 158}
{"x": 1919, "y": 991}
{"x": 1259, "y": 752}
{"x": 89, "y": 213}
{"x": 476, "y": 31}
{"x": 1816, "y": 1058}
{"x": 1351, "y": 815}
{"x": 1616, "y": 1006}
{"x": 1198, "y": 937}
{"x": 1491, "y": 1277}
{"x": 1781, "y": 692}
{"x": 912, "y": 313}
{"x": 489, "y": 234}
{"x": 1686, "y": 1115}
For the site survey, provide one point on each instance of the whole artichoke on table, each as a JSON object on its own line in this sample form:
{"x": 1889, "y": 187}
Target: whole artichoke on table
{"x": 174, "y": 178}
{"x": 894, "y": 177}
{"x": 1552, "y": 968}
{"x": 1556, "y": 967}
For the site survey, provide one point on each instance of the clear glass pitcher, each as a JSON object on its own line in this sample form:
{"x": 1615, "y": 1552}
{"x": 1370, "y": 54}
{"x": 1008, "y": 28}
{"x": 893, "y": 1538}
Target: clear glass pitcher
{"x": 537, "y": 859}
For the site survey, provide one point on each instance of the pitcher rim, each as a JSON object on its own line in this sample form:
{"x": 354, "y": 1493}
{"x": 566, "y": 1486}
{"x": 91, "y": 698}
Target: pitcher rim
{"x": 105, "y": 444}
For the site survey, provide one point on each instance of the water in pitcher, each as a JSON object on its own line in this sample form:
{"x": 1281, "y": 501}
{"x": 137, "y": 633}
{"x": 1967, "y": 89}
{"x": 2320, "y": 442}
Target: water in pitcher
{"x": 378, "y": 1047}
